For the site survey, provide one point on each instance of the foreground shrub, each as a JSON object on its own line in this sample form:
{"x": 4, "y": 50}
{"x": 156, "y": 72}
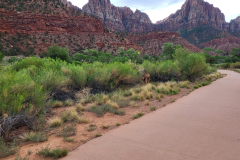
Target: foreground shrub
{"x": 67, "y": 131}
{"x": 138, "y": 115}
{"x": 6, "y": 150}
{"x": 101, "y": 110}
{"x": 19, "y": 92}
{"x": 34, "y": 137}
{"x": 55, "y": 153}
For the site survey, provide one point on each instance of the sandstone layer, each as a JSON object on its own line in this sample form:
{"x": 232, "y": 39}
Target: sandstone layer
{"x": 225, "y": 44}
{"x": 31, "y": 23}
{"x": 152, "y": 43}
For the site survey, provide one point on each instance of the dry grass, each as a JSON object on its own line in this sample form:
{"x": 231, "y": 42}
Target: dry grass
{"x": 57, "y": 104}
{"x": 133, "y": 104}
{"x": 34, "y": 137}
{"x": 83, "y": 119}
{"x": 158, "y": 97}
{"x": 70, "y": 115}
{"x": 149, "y": 95}
{"x": 212, "y": 76}
{"x": 68, "y": 102}
{"x": 55, "y": 122}
{"x": 79, "y": 107}
{"x": 184, "y": 84}
{"x": 112, "y": 104}
{"x": 147, "y": 102}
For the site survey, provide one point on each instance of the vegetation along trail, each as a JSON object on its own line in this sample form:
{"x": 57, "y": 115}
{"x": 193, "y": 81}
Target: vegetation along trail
{"x": 202, "y": 125}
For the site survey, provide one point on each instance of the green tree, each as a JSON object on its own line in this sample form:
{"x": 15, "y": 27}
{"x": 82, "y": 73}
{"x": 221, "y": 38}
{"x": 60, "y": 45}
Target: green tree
{"x": 169, "y": 50}
{"x": 208, "y": 49}
{"x": 1, "y": 57}
{"x": 56, "y": 52}
{"x": 236, "y": 52}
{"x": 219, "y": 51}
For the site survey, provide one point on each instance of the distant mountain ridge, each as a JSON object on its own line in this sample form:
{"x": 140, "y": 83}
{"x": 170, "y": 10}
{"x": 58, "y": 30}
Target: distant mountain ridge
{"x": 193, "y": 13}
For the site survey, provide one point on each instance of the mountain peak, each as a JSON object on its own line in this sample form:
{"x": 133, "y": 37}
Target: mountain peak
{"x": 194, "y": 13}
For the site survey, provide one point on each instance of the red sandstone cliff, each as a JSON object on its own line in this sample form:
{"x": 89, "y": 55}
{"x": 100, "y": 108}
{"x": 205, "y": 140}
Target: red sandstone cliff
{"x": 225, "y": 44}
{"x": 33, "y": 23}
{"x": 152, "y": 43}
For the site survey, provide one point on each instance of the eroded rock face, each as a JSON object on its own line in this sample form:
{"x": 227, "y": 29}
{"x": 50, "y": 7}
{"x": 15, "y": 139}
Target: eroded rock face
{"x": 225, "y": 44}
{"x": 152, "y": 43}
{"x": 234, "y": 25}
{"x": 32, "y": 23}
{"x": 119, "y": 18}
{"x": 192, "y": 14}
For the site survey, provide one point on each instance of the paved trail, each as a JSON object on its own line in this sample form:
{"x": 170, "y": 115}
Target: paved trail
{"x": 204, "y": 125}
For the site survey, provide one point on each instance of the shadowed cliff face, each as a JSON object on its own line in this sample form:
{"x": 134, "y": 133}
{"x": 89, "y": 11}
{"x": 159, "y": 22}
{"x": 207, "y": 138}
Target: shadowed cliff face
{"x": 193, "y": 13}
{"x": 119, "y": 18}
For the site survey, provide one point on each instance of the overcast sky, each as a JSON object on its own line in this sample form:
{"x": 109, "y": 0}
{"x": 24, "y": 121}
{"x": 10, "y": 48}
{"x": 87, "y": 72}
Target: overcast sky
{"x": 160, "y": 9}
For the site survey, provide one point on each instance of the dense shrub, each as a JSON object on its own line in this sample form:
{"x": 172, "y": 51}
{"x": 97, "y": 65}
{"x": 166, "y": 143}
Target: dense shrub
{"x": 1, "y": 57}
{"x": 18, "y": 92}
{"x": 56, "y": 52}
{"x": 192, "y": 65}
{"x": 235, "y": 65}
{"x": 12, "y": 60}
{"x": 225, "y": 65}
{"x": 26, "y": 63}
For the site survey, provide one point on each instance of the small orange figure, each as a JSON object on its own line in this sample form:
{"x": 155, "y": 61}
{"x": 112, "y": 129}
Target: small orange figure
{"x": 146, "y": 77}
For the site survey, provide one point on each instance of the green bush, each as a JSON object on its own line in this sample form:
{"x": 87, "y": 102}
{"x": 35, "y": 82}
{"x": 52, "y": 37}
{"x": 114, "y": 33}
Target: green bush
{"x": 235, "y": 65}
{"x": 19, "y": 92}
{"x": 6, "y": 150}
{"x": 27, "y": 62}
{"x": 12, "y": 60}
{"x": 55, "y": 153}
{"x": 192, "y": 65}
{"x": 101, "y": 110}
{"x": 225, "y": 65}
{"x": 56, "y": 52}
{"x": 1, "y": 57}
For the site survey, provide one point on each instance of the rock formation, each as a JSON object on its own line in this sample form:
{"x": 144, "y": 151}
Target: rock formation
{"x": 119, "y": 18}
{"x": 192, "y": 14}
{"x": 31, "y": 23}
{"x": 234, "y": 25}
{"x": 225, "y": 44}
{"x": 152, "y": 43}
